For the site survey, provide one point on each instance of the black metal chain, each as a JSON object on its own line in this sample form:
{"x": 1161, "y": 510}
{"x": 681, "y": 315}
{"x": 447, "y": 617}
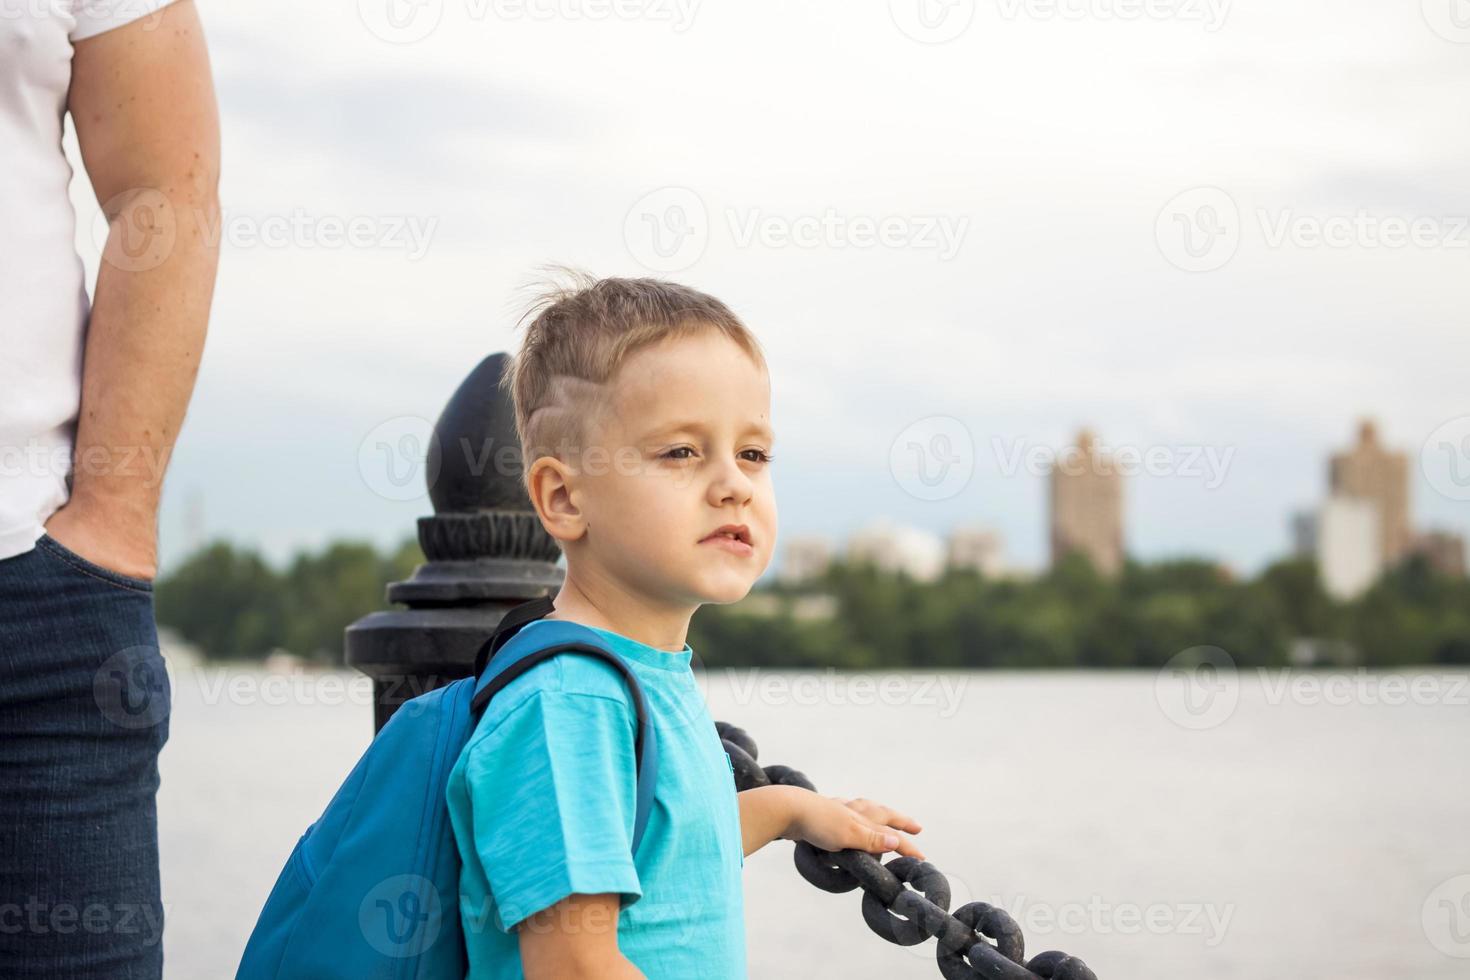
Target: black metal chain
{"x": 977, "y": 942}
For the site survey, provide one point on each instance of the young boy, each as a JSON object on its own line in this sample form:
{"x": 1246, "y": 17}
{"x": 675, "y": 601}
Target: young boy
{"x": 643, "y": 410}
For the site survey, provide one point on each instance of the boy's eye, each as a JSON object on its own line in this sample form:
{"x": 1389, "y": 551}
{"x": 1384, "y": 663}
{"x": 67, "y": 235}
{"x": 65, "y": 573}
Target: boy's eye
{"x": 760, "y": 456}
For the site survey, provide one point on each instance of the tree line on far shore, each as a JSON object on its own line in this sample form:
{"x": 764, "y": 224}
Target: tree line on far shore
{"x": 232, "y": 604}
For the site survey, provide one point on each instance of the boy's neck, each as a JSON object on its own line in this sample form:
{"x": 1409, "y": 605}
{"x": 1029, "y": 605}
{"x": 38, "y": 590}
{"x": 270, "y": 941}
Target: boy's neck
{"x": 664, "y": 628}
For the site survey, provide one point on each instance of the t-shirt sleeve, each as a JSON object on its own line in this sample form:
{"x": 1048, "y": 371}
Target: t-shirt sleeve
{"x": 552, "y": 792}
{"x": 97, "y": 16}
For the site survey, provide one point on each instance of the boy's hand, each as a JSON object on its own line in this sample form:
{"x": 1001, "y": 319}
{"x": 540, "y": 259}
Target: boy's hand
{"x": 834, "y": 825}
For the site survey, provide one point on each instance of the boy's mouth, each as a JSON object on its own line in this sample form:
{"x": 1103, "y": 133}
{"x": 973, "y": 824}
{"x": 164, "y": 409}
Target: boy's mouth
{"x": 731, "y": 537}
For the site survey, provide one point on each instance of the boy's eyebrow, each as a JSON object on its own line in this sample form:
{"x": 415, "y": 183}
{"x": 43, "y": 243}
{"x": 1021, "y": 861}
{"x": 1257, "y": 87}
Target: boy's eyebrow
{"x": 759, "y": 428}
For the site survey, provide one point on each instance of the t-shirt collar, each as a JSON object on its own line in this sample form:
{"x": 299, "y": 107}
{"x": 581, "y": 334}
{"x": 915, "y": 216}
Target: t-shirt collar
{"x": 645, "y": 654}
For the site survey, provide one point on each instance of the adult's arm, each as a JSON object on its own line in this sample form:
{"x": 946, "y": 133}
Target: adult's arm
{"x": 144, "y": 109}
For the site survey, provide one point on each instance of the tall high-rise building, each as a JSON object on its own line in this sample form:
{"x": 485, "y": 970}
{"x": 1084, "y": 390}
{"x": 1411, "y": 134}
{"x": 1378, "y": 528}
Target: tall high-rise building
{"x": 1372, "y": 472}
{"x": 1087, "y": 506}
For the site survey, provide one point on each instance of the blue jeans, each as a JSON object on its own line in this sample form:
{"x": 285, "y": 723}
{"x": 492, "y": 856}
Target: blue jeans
{"x": 84, "y": 704}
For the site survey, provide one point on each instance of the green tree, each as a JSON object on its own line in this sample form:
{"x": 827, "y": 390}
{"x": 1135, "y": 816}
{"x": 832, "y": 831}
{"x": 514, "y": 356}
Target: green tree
{"x": 226, "y": 601}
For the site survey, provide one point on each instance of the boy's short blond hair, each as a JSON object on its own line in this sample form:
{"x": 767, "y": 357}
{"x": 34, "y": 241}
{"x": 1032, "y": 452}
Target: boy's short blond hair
{"x": 581, "y": 330}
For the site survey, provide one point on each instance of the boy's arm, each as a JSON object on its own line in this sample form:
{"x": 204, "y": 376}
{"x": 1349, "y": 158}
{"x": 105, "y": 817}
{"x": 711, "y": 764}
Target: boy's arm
{"x": 765, "y": 815}
{"x": 771, "y": 812}
{"x": 575, "y": 938}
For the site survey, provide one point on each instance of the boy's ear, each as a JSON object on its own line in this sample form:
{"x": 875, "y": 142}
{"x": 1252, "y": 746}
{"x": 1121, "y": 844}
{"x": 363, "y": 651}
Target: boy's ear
{"x": 550, "y": 488}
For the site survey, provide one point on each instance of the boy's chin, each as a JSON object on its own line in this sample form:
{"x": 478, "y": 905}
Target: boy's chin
{"x": 723, "y": 593}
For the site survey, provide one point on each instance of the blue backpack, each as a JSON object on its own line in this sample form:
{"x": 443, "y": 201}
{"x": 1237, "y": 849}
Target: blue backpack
{"x": 371, "y": 890}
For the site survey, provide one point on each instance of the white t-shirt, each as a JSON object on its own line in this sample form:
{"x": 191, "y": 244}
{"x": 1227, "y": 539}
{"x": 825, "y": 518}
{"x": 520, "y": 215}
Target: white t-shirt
{"x": 43, "y": 299}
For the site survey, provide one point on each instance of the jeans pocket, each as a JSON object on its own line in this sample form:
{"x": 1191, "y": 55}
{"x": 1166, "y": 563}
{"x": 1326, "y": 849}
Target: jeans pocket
{"x": 62, "y": 553}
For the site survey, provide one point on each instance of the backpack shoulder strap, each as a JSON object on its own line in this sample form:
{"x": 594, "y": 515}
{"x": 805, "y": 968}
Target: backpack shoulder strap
{"x": 566, "y": 637}
{"x": 515, "y": 617}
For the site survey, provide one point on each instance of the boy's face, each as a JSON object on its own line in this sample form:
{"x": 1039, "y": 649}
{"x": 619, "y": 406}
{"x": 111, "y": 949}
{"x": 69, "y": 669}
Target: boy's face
{"x": 680, "y": 451}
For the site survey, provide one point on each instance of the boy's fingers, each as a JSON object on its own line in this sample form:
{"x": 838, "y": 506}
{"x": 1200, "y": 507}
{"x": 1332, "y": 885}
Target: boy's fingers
{"x": 882, "y": 839}
{"x": 888, "y": 841}
{"x": 885, "y": 815}
{"x": 898, "y": 821}
{"x": 909, "y": 848}
{"x": 903, "y": 822}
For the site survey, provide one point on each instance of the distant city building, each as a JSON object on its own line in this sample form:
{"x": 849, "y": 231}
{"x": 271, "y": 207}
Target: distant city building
{"x": 768, "y": 605}
{"x": 896, "y": 548}
{"x": 804, "y": 557}
{"x": 1087, "y": 507}
{"x": 1349, "y": 550}
{"x": 977, "y": 548}
{"x": 1304, "y": 534}
{"x": 819, "y": 608}
{"x": 1374, "y": 473}
{"x": 1444, "y": 551}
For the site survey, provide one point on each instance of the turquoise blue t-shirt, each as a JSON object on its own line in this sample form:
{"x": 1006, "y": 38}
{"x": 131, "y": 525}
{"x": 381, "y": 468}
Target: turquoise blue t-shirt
{"x": 542, "y": 805}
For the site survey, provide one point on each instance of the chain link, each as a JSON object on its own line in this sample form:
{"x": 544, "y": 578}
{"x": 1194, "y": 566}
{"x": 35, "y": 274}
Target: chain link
{"x": 906, "y": 901}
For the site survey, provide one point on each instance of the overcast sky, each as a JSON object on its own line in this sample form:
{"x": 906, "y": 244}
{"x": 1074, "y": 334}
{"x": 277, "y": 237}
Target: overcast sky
{"x": 962, "y": 230}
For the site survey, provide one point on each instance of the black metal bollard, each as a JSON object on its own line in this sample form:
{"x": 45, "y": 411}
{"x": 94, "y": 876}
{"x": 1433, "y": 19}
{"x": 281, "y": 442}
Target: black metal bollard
{"x": 486, "y": 552}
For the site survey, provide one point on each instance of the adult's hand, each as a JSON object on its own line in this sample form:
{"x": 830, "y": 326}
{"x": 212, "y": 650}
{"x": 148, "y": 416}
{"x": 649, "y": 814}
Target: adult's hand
{"x": 143, "y": 104}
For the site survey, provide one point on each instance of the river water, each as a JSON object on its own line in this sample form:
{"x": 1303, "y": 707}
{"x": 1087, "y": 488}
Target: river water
{"x": 1260, "y": 826}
